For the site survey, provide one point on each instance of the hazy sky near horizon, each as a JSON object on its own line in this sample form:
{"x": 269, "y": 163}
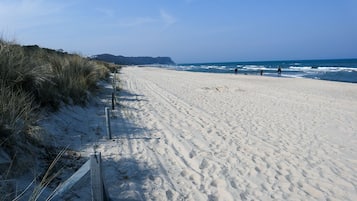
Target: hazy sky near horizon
{"x": 187, "y": 30}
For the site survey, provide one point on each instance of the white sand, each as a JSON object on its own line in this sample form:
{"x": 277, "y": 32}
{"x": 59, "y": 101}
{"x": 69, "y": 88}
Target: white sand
{"x": 200, "y": 136}
{"x": 226, "y": 137}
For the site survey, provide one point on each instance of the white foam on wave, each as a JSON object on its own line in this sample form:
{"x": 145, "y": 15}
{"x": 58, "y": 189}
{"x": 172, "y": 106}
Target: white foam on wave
{"x": 300, "y": 68}
{"x": 300, "y": 75}
{"x": 255, "y": 67}
{"x": 182, "y": 67}
{"x": 322, "y": 69}
{"x": 336, "y": 69}
{"x": 209, "y": 67}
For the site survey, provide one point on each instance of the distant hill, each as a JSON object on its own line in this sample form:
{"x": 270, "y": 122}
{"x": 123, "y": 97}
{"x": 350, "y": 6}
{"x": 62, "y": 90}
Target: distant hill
{"x": 122, "y": 60}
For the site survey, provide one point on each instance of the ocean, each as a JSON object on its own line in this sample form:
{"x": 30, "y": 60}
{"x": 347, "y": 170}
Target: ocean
{"x": 342, "y": 70}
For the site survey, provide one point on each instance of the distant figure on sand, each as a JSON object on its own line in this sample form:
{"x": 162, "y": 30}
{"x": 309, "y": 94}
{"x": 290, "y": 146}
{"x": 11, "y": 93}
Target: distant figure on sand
{"x": 261, "y": 72}
{"x": 235, "y": 70}
{"x": 279, "y": 70}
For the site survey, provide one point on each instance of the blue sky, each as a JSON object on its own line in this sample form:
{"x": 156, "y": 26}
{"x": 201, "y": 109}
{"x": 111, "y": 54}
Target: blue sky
{"x": 187, "y": 30}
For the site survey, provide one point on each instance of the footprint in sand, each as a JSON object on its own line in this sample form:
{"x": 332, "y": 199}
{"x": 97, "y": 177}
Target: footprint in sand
{"x": 158, "y": 181}
{"x": 233, "y": 184}
{"x": 184, "y": 173}
{"x": 264, "y": 187}
{"x": 169, "y": 195}
{"x": 204, "y": 164}
{"x": 192, "y": 154}
{"x": 194, "y": 179}
{"x": 243, "y": 195}
{"x": 257, "y": 169}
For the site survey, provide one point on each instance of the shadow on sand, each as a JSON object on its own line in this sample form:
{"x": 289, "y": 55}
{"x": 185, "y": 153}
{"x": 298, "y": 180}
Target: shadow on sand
{"x": 130, "y": 178}
{"x": 123, "y": 119}
{"x": 125, "y": 95}
{"x": 127, "y": 178}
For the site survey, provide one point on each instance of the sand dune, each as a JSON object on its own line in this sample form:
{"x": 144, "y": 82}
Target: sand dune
{"x": 198, "y": 136}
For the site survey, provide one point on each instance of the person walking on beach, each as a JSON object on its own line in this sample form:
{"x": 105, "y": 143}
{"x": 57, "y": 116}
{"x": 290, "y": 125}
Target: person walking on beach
{"x": 235, "y": 70}
{"x": 279, "y": 71}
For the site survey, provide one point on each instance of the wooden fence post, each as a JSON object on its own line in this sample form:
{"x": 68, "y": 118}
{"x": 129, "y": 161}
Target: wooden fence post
{"x": 113, "y": 101}
{"x": 70, "y": 182}
{"x": 99, "y": 192}
{"x": 107, "y": 118}
{"x": 96, "y": 177}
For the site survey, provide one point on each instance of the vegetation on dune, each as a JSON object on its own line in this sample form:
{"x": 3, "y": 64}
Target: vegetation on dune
{"x": 33, "y": 79}
{"x": 122, "y": 60}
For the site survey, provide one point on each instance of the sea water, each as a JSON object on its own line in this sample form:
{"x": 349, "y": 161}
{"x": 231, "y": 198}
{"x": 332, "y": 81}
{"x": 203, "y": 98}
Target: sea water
{"x": 343, "y": 70}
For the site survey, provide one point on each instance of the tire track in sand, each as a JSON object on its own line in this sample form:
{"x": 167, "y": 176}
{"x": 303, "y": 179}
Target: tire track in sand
{"x": 155, "y": 152}
{"x": 190, "y": 155}
{"x": 186, "y": 152}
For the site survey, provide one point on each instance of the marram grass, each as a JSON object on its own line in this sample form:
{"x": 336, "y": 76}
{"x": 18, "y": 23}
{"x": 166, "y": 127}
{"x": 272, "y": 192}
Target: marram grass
{"x": 33, "y": 79}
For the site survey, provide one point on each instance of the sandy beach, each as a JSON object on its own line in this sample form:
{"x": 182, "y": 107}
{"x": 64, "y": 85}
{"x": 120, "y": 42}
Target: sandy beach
{"x": 186, "y": 100}
{"x": 201, "y": 136}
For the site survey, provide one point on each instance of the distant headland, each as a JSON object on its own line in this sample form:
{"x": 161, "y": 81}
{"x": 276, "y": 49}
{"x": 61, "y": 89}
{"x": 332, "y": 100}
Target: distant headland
{"x": 122, "y": 60}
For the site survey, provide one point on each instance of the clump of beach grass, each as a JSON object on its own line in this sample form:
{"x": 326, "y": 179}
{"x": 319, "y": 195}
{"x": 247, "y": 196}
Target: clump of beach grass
{"x": 74, "y": 77}
{"x": 33, "y": 79}
{"x": 17, "y": 105}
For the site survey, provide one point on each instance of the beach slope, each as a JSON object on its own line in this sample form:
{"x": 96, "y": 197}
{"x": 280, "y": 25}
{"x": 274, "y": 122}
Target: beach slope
{"x": 205, "y": 136}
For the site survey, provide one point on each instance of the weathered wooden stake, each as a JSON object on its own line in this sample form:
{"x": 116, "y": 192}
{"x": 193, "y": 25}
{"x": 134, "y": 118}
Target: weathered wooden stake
{"x": 107, "y": 117}
{"x": 115, "y": 86}
{"x": 69, "y": 183}
{"x": 115, "y": 76}
{"x": 113, "y": 101}
{"x": 96, "y": 177}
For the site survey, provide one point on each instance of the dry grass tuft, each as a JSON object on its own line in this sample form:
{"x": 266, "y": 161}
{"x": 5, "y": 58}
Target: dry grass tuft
{"x": 33, "y": 79}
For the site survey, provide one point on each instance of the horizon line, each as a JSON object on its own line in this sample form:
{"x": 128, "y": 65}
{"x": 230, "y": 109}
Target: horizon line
{"x": 274, "y": 60}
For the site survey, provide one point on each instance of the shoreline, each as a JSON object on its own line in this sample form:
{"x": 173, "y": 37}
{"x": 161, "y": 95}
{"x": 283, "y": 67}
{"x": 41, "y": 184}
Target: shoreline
{"x": 257, "y": 74}
{"x": 340, "y": 70}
